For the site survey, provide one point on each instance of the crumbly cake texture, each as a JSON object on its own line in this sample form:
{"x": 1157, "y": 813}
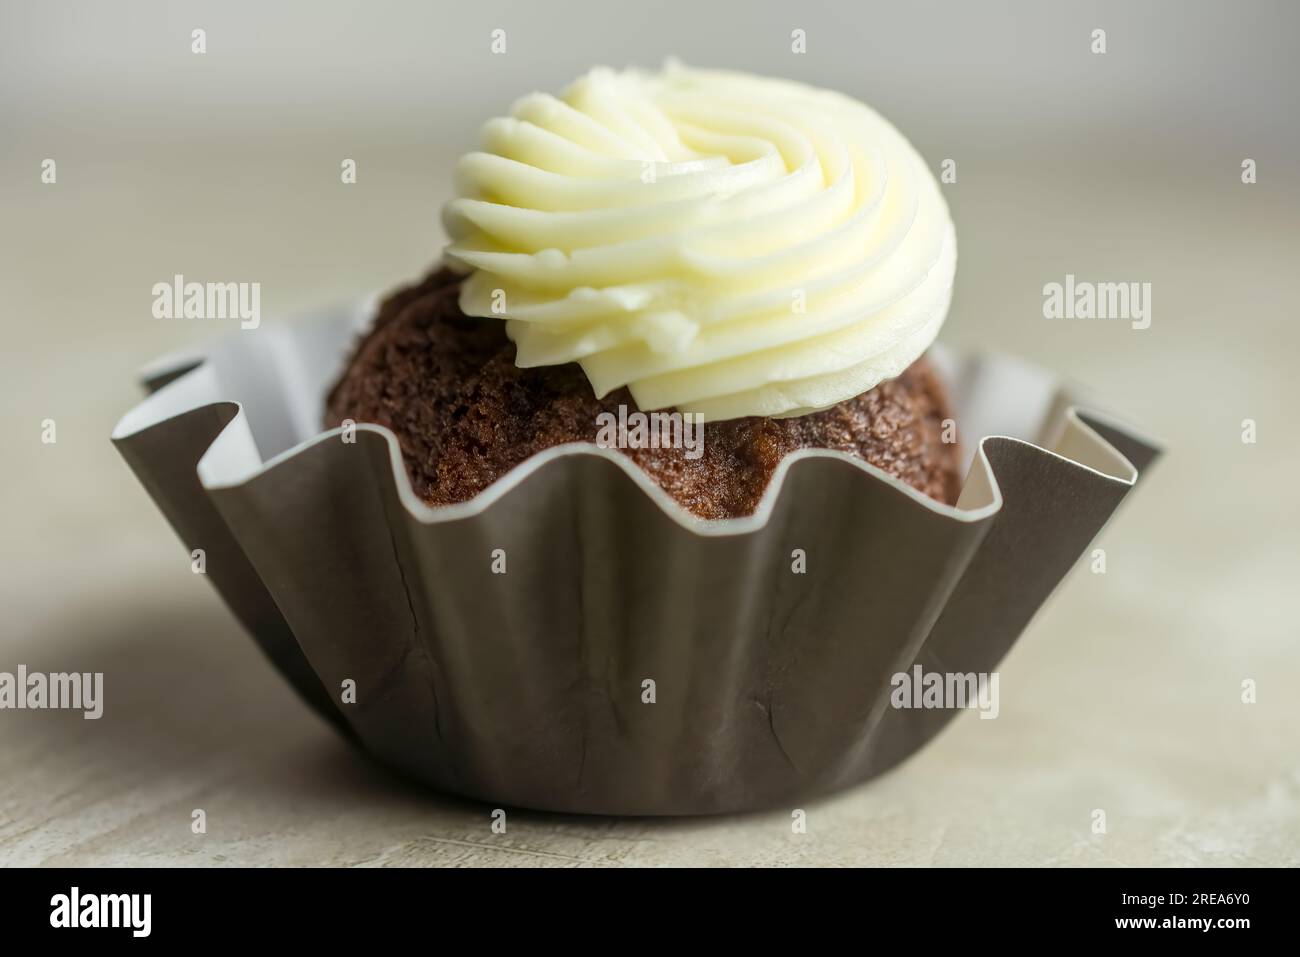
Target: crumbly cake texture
{"x": 464, "y": 414}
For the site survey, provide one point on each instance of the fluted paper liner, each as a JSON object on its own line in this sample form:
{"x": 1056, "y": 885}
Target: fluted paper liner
{"x": 526, "y": 688}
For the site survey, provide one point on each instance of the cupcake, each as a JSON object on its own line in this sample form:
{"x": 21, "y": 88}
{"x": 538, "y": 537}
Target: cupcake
{"x": 646, "y": 497}
{"x": 764, "y": 258}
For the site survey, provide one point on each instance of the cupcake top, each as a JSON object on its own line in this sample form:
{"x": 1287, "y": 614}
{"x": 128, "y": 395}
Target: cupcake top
{"x": 717, "y": 242}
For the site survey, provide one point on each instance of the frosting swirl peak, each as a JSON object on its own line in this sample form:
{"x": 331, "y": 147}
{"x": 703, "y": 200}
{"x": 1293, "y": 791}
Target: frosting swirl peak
{"x": 718, "y": 242}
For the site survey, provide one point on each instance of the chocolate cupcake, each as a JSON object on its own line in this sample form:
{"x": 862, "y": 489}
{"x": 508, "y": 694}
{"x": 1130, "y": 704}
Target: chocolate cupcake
{"x": 758, "y": 254}
{"x": 465, "y": 413}
{"x": 495, "y": 584}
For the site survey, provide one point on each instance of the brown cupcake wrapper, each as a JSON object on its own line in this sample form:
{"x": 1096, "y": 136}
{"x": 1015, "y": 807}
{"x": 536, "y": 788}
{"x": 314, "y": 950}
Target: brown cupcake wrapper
{"x": 528, "y": 687}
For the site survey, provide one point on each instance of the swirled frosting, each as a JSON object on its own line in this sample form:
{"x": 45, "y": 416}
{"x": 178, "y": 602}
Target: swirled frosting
{"x": 718, "y": 242}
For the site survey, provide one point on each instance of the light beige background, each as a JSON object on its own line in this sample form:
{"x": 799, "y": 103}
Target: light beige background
{"x": 1124, "y": 694}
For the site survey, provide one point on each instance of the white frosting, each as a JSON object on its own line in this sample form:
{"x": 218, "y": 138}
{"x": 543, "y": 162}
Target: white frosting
{"x": 718, "y": 242}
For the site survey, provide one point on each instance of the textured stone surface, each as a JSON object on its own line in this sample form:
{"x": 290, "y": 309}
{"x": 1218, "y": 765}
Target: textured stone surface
{"x": 1123, "y": 695}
